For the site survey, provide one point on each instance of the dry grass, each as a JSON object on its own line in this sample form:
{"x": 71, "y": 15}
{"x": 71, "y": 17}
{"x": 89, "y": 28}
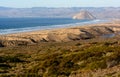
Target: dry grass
{"x": 59, "y": 59}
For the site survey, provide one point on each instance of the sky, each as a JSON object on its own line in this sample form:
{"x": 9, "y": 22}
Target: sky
{"x": 59, "y": 3}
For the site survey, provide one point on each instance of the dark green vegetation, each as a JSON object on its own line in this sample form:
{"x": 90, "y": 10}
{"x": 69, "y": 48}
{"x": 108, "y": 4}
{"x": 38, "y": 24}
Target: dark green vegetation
{"x": 59, "y": 59}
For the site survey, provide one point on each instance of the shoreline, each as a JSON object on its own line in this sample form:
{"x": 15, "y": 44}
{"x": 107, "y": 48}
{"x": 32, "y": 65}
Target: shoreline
{"x": 73, "y": 33}
{"x": 55, "y": 29}
{"x": 32, "y": 29}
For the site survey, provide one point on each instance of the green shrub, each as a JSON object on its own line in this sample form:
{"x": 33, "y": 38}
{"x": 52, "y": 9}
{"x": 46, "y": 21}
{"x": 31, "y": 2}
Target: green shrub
{"x": 9, "y": 59}
{"x": 97, "y": 65}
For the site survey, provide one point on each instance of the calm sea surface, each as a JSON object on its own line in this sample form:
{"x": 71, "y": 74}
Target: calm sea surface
{"x": 14, "y": 25}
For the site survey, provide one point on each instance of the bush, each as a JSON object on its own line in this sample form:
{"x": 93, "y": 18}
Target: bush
{"x": 9, "y": 59}
{"x": 97, "y": 65}
{"x": 4, "y": 66}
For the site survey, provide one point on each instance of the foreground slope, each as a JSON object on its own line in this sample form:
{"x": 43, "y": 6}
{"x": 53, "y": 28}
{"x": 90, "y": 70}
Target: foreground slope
{"x": 86, "y": 57}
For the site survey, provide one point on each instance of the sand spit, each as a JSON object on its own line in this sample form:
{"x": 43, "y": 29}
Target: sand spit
{"x": 59, "y": 35}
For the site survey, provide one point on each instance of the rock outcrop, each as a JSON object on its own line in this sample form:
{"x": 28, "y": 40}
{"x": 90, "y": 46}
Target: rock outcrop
{"x": 83, "y": 15}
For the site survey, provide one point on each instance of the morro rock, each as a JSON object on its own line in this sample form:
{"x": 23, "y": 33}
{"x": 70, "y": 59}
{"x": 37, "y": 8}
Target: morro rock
{"x": 83, "y": 15}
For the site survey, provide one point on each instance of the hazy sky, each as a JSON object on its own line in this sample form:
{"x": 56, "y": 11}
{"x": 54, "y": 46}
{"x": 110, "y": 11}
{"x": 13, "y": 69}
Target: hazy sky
{"x": 60, "y": 3}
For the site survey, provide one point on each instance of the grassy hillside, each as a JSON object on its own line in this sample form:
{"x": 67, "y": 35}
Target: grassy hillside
{"x": 84, "y": 58}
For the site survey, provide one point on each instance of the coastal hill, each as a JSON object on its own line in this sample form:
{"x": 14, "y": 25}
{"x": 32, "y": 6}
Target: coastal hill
{"x": 83, "y": 15}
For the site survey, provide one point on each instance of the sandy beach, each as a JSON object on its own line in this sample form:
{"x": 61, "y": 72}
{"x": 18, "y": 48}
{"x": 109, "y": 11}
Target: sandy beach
{"x": 61, "y": 34}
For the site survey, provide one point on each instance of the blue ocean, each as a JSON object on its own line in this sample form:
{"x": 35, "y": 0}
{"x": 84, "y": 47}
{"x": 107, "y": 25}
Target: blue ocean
{"x": 15, "y": 25}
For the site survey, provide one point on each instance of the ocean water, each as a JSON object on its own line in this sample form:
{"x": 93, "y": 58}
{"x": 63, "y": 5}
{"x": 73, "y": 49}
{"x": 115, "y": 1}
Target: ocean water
{"x": 15, "y": 25}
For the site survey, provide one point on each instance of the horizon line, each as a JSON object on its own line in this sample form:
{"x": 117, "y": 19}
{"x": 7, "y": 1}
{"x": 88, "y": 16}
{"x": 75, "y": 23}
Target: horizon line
{"x": 65, "y": 7}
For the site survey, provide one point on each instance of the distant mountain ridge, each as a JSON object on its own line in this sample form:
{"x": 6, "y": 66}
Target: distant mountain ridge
{"x": 98, "y": 12}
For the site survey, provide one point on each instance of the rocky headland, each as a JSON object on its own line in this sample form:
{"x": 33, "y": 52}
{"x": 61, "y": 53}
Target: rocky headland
{"x": 84, "y": 15}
